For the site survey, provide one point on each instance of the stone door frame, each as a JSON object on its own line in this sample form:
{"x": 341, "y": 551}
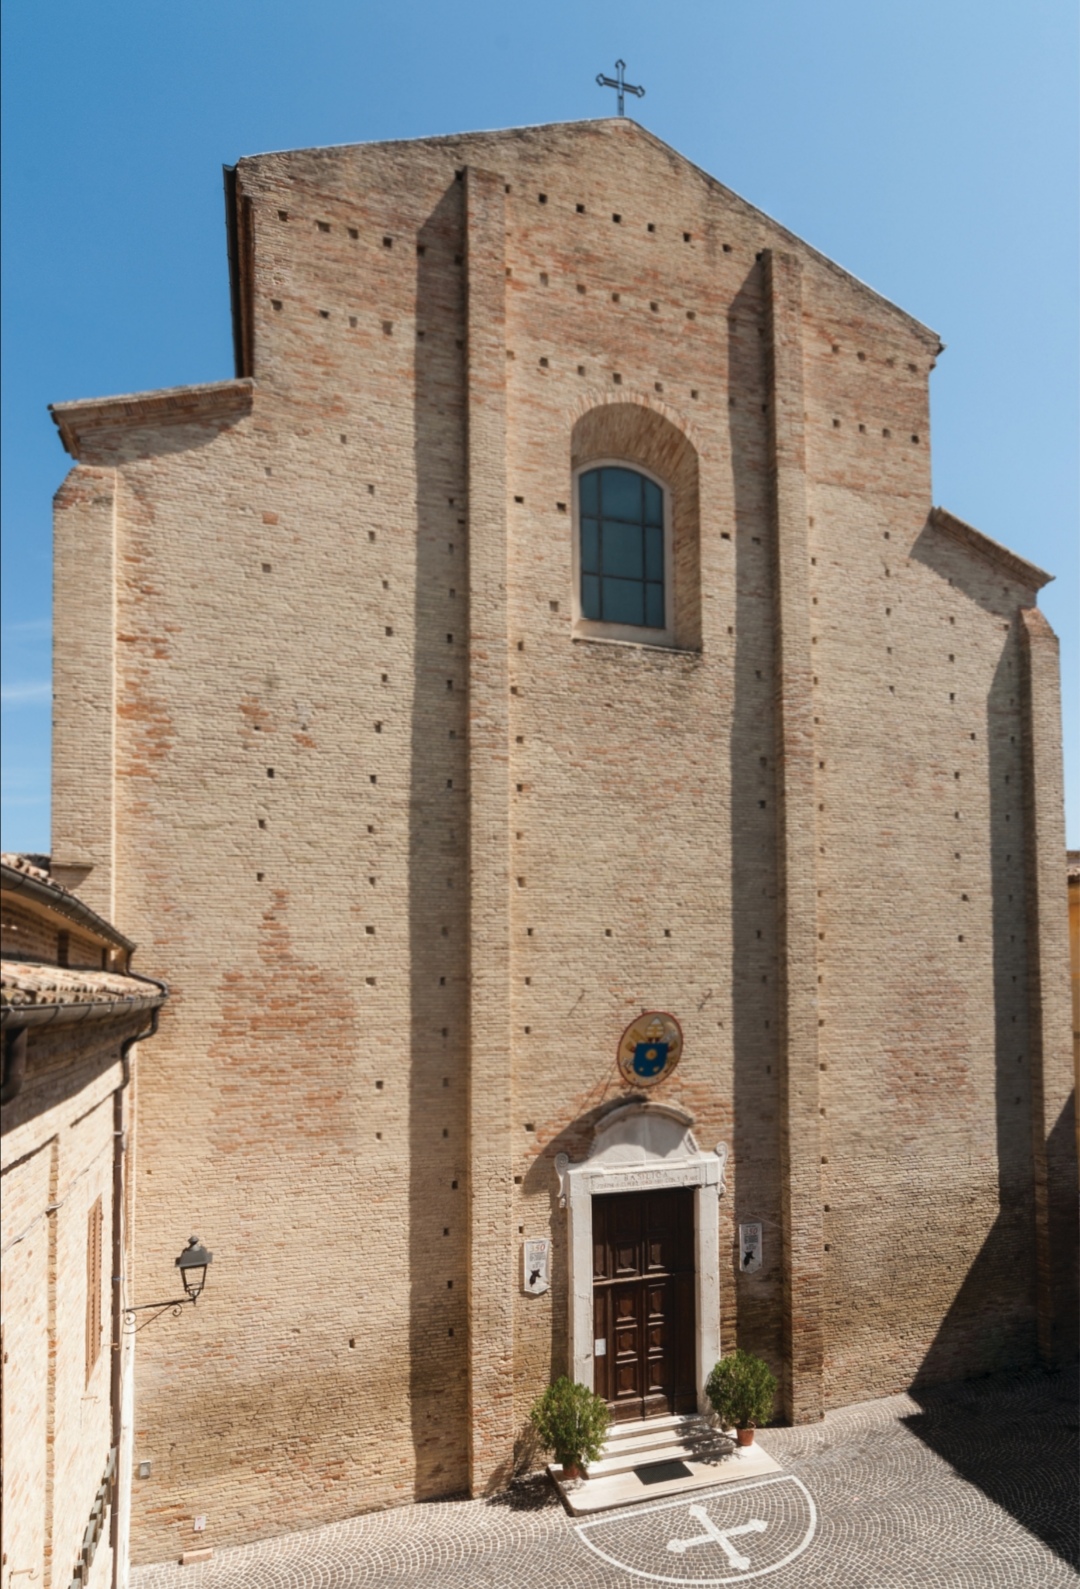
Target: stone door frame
{"x": 640, "y": 1147}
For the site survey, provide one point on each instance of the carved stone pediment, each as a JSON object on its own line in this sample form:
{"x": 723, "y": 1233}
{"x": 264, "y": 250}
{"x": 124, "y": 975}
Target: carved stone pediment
{"x": 640, "y": 1146}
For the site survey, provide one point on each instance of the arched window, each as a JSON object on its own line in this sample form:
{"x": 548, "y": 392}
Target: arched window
{"x": 624, "y": 573}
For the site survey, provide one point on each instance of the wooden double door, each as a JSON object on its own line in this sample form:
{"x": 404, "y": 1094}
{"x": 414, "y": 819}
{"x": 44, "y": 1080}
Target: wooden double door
{"x": 644, "y": 1303}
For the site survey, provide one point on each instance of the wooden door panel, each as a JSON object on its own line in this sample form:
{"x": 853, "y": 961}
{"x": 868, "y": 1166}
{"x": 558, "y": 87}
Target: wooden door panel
{"x": 644, "y": 1302}
{"x": 684, "y": 1343}
{"x": 601, "y": 1332}
{"x": 626, "y": 1380}
{"x": 658, "y": 1376}
{"x": 658, "y": 1366}
{"x": 626, "y": 1310}
{"x": 625, "y": 1321}
{"x": 626, "y": 1349}
{"x": 626, "y": 1344}
{"x": 599, "y": 1246}
{"x": 626, "y": 1259}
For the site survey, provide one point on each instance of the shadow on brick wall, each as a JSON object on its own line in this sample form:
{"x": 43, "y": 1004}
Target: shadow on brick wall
{"x": 991, "y": 1324}
{"x": 755, "y": 1303}
{"x": 437, "y": 860}
{"x": 1013, "y": 1435}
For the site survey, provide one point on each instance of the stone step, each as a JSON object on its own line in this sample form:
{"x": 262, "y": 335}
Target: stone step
{"x": 644, "y": 1438}
{"x": 651, "y": 1428}
{"x": 649, "y": 1433}
{"x": 700, "y": 1450}
{"x": 671, "y": 1420}
{"x": 628, "y": 1488}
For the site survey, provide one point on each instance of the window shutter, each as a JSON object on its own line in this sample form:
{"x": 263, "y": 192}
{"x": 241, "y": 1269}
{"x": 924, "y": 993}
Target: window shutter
{"x": 94, "y": 1225}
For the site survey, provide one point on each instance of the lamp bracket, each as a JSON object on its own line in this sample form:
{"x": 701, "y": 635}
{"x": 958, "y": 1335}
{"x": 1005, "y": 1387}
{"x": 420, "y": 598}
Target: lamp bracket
{"x": 173, "y": 1306}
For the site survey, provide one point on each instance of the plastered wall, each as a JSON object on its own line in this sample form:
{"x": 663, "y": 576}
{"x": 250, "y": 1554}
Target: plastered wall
{"x": 58, "y": 1149}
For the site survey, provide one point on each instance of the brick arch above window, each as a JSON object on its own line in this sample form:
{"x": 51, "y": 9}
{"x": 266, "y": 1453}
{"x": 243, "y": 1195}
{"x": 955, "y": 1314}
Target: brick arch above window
{"x": 631, "y": 397}
{"x": 637, "y": 432}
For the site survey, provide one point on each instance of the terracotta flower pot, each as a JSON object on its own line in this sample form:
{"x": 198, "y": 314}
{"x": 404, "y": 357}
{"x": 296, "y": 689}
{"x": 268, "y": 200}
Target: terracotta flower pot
{"x": 571, "y": 1470}
{"x": 745, "y": 1437}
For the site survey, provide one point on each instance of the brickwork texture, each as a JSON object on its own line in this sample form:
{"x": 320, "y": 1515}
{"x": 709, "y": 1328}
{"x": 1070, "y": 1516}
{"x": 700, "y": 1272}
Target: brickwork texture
{"x": 411, "y": 845}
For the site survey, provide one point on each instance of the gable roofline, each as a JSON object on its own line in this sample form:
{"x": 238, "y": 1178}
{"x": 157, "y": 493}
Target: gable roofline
{"x": 923, "y": 331}
{"x": 1010, "y": 563}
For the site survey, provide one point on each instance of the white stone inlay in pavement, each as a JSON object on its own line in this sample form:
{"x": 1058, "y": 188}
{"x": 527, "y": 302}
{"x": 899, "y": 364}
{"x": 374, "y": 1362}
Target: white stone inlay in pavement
{"x": 774, "y": 1520}
{"x": 719, "y": 1536}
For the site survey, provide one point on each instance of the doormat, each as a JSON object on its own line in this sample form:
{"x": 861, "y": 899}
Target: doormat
{"x": 662, "y": 1472}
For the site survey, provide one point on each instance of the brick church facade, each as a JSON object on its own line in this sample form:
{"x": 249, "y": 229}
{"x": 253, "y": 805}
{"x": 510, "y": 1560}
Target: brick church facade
{"x": 550, "y": 625}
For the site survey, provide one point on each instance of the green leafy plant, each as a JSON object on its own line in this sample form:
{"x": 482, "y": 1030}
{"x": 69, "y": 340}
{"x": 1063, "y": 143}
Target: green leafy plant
{"x": 571, "y": 1421}
{"x": 740, "y": 1390}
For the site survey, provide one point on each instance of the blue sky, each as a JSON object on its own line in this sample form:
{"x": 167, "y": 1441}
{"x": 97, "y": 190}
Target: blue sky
{"x": 931, "y": 148}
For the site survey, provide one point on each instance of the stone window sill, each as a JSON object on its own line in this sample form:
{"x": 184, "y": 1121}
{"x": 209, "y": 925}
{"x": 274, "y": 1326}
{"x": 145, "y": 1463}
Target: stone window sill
{"x": 636, "y": 645}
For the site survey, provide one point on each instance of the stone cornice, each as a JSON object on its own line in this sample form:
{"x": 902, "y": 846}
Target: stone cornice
{"x": 172, "y": 405}
{"x": 1017, "y": 568}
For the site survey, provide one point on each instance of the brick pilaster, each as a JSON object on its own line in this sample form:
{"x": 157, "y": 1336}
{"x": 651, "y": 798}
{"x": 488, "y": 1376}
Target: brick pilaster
{"x": 797, "y": 880}
{"x": 491, "y": 1239}
{"x": 84, "y": 685}
{"x": 1052, "y": 1080}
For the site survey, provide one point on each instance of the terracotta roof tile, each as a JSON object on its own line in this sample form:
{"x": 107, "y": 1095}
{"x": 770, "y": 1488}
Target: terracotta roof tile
{"x": 25, "y": 983}
{"x": 35, "y": 866}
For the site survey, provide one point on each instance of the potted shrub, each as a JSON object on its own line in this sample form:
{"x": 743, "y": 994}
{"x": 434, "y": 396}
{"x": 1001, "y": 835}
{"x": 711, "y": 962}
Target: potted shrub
{"x": 740, "y": 1390}
{"x": 571, "y": 1421}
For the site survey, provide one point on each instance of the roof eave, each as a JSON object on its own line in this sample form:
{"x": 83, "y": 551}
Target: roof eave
{"x": 67, "y": 1012}
{"x": 64, "y": 904}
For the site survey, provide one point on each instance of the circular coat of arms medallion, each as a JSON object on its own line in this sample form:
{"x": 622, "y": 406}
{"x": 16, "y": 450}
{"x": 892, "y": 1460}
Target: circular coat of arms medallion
{"x": 649, "y": 1049}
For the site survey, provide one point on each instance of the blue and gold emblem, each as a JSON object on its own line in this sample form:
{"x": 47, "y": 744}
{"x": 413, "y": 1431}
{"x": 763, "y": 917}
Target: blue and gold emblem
{"x": 649, "y": 1049}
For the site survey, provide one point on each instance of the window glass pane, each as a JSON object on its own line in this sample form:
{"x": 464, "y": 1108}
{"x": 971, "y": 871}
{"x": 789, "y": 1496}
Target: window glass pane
{"x": 622, "y": 551}
{"x": 654, "y": 606}
{"x": 621, "y": 494}
{"x": 654, "y": 554}
{"x": 623, "y": 601}
{"x": 654, "y": 503}
{"x": 589, "y": 491}
{"x": 621, "y": 529}
{"x": 590, "y": 546}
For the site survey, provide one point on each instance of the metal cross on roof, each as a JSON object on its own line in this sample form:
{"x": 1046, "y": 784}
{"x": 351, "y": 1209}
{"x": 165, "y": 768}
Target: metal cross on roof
{"x": 620, "y": 85}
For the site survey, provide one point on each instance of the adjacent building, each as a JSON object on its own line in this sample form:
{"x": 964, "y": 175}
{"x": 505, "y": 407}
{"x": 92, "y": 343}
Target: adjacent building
{"x": 71, "y": 1013}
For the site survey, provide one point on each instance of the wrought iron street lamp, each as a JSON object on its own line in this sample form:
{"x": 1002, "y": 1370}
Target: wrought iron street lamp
{"x": 192, "y": 1263}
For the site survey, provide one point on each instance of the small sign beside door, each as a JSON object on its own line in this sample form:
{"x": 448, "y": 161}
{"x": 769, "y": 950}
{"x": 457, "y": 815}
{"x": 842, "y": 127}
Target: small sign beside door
{"x": 749, "y": 1248}
{"x": 535, "y": 1265}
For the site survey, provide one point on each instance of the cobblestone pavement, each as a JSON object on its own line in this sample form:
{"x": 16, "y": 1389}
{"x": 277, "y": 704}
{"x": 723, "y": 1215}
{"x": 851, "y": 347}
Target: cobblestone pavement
{"x": 964, "y": 1487}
